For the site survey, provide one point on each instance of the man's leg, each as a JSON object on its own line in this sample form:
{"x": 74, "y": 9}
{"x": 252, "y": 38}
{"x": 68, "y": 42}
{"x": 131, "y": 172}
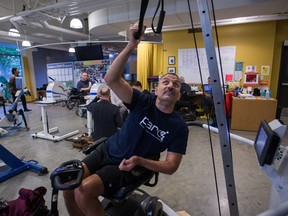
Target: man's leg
{"x": 84, "y": 199}
{"x": 87, "y": 196}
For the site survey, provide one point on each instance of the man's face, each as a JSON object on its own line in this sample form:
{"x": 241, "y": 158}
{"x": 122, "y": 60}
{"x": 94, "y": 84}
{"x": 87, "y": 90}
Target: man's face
{"x": 16, "y": 72}
{"x": 168, "y": 88}
{"x": 84, "y": 76}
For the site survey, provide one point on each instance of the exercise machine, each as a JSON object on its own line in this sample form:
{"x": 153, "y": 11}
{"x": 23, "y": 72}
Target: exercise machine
{"x": 56, "y": 92}
{"x": 13, "y": 165}
{"x": 129, "y": 200}
{"x": 273, "y": 161}
{"x": 12, "y": 120}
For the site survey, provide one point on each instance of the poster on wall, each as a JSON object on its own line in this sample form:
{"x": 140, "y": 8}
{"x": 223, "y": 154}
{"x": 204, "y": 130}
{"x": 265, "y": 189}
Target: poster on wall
{"x": 61, "y": 72}
{"x": 96, "y": 69}
{"x": 188, "y": 63}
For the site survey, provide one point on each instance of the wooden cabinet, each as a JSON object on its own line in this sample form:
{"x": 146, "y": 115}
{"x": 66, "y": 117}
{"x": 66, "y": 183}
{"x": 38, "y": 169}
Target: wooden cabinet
{"x": 248, "y": 113}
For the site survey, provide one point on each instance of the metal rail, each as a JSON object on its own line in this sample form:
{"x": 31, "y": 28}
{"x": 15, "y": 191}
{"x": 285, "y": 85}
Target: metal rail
{"x": 218, "y": 98}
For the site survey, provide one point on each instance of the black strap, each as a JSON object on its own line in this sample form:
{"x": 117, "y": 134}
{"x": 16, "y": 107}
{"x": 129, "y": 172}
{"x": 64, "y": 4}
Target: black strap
{"x": 144, "y": 4}
{"x": 161, "y": 18}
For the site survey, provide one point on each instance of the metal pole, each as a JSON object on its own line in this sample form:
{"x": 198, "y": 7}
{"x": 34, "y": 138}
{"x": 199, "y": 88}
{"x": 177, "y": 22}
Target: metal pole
{"x": 219, "y": 104}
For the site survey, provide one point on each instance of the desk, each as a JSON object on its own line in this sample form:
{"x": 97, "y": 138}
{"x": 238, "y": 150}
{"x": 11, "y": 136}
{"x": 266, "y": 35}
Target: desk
{"x": 248, "y": 113}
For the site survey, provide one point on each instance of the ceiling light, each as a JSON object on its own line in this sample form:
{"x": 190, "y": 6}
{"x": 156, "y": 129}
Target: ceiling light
{"x": 71, "y": 50}
{"x": 13, "y": 32}
{"x": 76, "y": 23}
{"x": 26, "y": 43}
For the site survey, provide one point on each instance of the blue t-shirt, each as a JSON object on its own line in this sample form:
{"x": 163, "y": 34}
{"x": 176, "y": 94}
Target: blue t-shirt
{"x": 84, "y": 84}
{"x": 147, "y": 131}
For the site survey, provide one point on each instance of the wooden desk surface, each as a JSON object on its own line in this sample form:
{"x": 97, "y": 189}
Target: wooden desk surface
{"x": 248, "y": 113}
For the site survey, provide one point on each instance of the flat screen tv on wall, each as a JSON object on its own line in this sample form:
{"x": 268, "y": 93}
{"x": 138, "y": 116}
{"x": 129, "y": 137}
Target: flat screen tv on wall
{"x": 91, "y": 52}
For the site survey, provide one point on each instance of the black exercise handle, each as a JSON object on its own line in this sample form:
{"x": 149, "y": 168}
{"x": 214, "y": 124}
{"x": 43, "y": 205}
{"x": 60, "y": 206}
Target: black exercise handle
{"x": 68, "y": 175}
{"x": 144, "y": 4}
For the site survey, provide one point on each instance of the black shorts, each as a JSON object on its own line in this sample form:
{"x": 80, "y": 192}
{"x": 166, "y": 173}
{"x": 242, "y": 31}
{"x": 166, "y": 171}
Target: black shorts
{"x": 113, "y": 178}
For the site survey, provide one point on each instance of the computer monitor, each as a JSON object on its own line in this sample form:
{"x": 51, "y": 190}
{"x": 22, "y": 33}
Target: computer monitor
{"x": 207, "y": 88}
{"x": 266, "y": 144}
{"x": 19, "y": 82}
{"x": 90, "y": 52}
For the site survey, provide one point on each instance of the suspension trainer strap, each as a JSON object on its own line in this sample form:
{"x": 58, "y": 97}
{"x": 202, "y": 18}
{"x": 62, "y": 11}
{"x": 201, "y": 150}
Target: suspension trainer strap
{"x": 144, "y": 4}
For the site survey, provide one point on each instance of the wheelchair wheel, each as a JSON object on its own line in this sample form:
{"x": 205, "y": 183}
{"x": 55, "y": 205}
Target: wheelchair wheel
{"x": 153, "y": 207}
{"x": 70, "y": 104}
{"x": 158, "y": 209}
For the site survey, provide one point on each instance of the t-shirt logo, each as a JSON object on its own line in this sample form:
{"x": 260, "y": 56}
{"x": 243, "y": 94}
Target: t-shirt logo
{"x": 153, "y": 129}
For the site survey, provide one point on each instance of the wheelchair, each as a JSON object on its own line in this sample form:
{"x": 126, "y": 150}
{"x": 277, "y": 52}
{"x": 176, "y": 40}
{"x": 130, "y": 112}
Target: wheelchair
{"x": 126, "y": 201}
{"x": 185, "y": 107}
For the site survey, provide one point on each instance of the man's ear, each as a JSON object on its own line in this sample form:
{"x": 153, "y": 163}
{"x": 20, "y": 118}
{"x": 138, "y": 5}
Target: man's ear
{"x": 156, "y": 90}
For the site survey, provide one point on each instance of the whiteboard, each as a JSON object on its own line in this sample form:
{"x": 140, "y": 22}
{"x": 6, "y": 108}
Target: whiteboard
{"x": 188, "y": 63}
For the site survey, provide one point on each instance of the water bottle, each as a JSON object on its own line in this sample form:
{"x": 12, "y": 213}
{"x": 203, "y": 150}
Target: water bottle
{"x": 267, "y": 94}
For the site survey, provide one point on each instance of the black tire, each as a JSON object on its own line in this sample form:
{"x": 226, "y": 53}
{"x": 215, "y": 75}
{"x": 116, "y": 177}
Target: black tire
{"x": 153, "y": 207}
{"x": 80, "y": 112}
{"x": 158, "y": 209}
{"x": 70, "y": 104}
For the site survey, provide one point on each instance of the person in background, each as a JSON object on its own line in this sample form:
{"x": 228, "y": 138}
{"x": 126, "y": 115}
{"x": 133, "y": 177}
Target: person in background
{"x": 105, "y": 115}
{"x": 209, "y": 95}
{"x": 124, "y": 112}
{"x": 84, "y": 85}
{"x": 13, "y": 89}
{"x": 148, "y": 131}
{"x": 185, "y": 88}
{"x": 138, "y": 85}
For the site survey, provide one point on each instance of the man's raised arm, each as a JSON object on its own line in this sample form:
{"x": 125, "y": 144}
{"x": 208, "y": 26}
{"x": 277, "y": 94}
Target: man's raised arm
{"x": 113, "y": 77}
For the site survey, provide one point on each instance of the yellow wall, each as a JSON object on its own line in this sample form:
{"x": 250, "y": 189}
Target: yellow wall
{"x": 256, "y": 44}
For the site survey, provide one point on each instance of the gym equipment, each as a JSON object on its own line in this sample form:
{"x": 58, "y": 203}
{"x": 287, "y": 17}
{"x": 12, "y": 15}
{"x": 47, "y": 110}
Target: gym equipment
{"x": 13, "y": 116}
{"x": 14, "y": 166}
{"x": 56, "y": 92}
{"x": 67, "y": 176}
{"x": 273, "y": 161}
{"x": 130, "y": 200}
{"x": 126, "y": 201}
{"x": 73, "y": 98}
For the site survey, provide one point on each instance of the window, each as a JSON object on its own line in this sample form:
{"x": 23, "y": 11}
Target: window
{"x": 9, "y": 58}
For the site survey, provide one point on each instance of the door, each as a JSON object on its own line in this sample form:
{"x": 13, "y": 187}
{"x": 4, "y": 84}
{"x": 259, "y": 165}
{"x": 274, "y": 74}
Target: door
{"x": 283, "y": 78}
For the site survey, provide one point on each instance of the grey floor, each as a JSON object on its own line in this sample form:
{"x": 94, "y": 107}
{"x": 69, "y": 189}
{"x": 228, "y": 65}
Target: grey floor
{"x": 192, "y": 188}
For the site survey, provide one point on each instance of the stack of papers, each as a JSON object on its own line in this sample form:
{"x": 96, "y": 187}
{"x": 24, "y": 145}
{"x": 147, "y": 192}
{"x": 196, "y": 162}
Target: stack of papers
{"x": 246, "y": 96}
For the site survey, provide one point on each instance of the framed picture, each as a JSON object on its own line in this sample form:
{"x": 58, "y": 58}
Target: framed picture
{"x": 171, "y": 60}
{"x": 171, "y": 70}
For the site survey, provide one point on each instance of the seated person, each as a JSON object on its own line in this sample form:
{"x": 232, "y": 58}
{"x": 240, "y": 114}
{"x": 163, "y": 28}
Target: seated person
{"x": 209, "y": 104}
{"x": 185, "y": 88}
{"x": 84, "y": 85}
{"x": 208, "y": 99}
{"x": 124, "y": 112}
{"x": 138, "y": 85}
{"x": 106, "y": 116}
{"x": 148, "y": 131}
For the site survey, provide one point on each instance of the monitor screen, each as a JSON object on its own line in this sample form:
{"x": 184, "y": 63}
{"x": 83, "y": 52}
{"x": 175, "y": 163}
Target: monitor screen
{"x": 266, "y": 144}
{"x": 92, "y": 52}
{"x": 19, "y": 82}
{"x": 207, "y": 88}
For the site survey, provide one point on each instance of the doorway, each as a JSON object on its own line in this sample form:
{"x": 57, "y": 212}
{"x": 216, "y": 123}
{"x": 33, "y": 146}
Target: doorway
{"x": 283, "y": 80}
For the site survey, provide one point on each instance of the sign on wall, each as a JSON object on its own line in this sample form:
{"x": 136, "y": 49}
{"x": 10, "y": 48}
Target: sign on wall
{"x": 96, "y": 69}
{"x": 61, "y": 72}
{"x": 188, "y": 63}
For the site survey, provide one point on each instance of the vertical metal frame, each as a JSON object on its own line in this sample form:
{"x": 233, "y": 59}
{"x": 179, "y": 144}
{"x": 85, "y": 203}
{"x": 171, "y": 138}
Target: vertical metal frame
{"x": 219, "y": 104}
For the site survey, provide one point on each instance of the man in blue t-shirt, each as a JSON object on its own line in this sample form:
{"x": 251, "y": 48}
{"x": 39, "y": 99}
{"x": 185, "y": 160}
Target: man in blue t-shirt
{"x": 152, "y": 127}
{"x": 85, "y": 83}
